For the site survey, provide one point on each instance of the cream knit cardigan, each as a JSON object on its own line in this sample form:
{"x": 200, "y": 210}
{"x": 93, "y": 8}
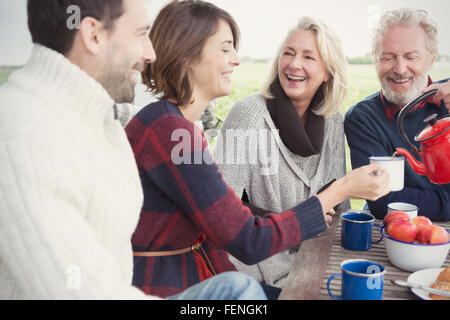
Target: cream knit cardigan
{"x": 70, "y": 194}
{"x": 280, "y": 179}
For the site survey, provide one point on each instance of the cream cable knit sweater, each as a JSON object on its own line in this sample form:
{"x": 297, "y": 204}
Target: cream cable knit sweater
{"x": 70, "y": 194}
{"x": 289, "y": 179}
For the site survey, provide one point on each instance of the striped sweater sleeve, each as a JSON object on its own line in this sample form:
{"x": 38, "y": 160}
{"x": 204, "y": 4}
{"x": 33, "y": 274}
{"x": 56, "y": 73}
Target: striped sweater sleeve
{"x": 173, "y": 154}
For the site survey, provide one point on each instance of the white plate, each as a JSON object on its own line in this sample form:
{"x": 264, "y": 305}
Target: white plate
{"x": 425, "y": 277}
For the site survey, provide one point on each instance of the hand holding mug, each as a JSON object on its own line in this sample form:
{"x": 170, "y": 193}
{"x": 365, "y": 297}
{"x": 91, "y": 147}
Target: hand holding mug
{"x": 362, "y": 183}
{"x": 395, "y": 166}
{"x": 368, "y": 182}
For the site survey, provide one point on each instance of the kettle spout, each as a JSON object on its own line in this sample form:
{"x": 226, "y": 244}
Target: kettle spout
{"x": 417, "y": 166}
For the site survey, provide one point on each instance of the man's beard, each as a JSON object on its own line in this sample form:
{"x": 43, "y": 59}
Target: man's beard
{"x": 116, "y": 79}
{"x": 402, "y": 97}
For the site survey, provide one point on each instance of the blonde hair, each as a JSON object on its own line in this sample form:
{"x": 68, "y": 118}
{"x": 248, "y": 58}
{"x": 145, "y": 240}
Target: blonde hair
{"x": 409, "y": 17}
{"x": 331, "y": 52}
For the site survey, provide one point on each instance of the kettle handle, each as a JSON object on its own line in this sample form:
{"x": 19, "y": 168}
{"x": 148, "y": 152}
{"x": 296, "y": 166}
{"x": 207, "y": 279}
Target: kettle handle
{"x": 403, "y": 113}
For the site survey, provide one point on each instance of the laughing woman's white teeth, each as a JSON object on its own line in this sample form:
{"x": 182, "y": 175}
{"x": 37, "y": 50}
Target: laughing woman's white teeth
{"x": 294, "y": 78}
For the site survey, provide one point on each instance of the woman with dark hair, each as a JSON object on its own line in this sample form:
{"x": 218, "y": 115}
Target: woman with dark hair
{"x": 190, "y": 218}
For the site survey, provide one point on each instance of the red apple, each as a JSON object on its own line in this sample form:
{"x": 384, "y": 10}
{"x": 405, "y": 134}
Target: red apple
{"x": 402, "y": 229}
{"x": 421, "y": 222}
{"x": 391, "y": 216}
{"x": 433, "y": 235}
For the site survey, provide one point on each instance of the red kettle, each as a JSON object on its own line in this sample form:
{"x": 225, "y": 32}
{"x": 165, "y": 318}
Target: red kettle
{"x": 435, "y": 144}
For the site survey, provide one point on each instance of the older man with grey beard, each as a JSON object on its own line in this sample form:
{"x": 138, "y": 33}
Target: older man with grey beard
{"x": 404, "y": 49}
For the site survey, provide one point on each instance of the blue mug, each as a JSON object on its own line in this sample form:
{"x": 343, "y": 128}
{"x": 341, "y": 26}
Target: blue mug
{"x": 356, "y": 230}
{"x": 361, "y": 280}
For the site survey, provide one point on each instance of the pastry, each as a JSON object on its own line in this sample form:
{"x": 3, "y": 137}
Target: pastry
{"x": 442, "y": 283}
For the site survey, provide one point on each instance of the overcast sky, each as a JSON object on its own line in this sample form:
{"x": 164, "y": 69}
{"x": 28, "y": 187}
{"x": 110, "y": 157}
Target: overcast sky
{"x": 263, "y": 23}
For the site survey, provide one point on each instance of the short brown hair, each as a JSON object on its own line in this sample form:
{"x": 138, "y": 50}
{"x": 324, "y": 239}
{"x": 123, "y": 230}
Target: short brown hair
{"x": 47, "y": 20}
{"x": 178, "y": 34}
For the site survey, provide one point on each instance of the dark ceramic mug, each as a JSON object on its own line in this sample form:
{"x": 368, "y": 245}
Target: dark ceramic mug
{"x": 356, "y": 230}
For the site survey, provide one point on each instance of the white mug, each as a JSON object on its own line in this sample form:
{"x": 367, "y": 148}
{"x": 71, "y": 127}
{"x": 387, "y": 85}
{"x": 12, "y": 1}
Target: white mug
{"x": 395, "y": 166}
{"x": 409, "y": 208}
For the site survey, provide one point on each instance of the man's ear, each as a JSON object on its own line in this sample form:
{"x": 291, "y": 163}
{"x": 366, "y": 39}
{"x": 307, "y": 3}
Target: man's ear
{"x": 92, "y": 35}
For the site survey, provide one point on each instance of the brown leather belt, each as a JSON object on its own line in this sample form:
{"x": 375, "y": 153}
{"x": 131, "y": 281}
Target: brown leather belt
{"x": 167, "y": 253}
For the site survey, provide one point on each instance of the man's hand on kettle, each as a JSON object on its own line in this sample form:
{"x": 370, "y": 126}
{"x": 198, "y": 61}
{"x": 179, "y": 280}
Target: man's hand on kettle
{"x": 442, "y": 94}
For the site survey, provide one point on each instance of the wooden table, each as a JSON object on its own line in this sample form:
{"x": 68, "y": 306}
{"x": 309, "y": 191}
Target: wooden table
{"x": 320, "y": 257}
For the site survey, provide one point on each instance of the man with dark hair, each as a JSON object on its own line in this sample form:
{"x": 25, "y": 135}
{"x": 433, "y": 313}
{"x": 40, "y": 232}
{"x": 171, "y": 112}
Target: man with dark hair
{"x": 70, "y": 193}
{"x": 46, "y": 26}
{"x": 103, "y": 38}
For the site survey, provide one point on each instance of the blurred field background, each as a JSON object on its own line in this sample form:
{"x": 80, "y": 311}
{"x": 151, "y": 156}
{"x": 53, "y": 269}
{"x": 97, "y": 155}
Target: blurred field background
{"x": 250, "y": 75}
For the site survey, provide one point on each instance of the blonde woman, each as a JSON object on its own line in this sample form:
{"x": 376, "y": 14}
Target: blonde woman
{"x": 283, "y": 145}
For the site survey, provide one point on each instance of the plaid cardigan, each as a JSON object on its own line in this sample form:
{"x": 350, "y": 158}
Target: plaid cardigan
{"x": 185, "y": 197}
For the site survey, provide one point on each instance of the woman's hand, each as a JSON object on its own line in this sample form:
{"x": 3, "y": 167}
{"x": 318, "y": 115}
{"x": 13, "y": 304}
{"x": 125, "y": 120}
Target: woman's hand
{"x": 368, "y": 182}
{"x": 329, "y": 217}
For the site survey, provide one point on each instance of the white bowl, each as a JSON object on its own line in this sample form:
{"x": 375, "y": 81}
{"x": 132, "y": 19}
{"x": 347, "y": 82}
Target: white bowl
{"x": 415, "y": 256}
